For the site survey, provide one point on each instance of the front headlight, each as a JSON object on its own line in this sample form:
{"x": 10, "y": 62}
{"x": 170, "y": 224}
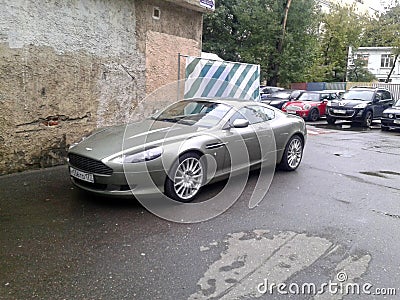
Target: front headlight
{"x": 146, "y": 155}
{"x": 361, "y": 105}
{"x": 306, "y": 106}
{"x": 391, "y": 116}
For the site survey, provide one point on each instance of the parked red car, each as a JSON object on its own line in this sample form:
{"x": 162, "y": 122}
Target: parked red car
{"x": 310, "y": 105}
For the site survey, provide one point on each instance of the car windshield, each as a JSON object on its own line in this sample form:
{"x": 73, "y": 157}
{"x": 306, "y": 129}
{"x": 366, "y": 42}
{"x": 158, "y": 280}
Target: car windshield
{"x": 358, "y": 95}
{"x": 198, "y": 113}
{"x": 309, "y": 97}
{"x": 279, "y": 95}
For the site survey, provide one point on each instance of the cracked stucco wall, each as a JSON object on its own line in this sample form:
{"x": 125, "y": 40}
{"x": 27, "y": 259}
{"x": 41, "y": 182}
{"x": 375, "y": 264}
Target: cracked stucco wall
{"x": 67, "y": 67}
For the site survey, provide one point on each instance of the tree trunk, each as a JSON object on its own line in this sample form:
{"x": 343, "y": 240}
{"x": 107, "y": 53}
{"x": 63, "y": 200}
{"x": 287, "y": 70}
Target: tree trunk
{"x": 391, "y": 70}
{"x": 279, "y": 47}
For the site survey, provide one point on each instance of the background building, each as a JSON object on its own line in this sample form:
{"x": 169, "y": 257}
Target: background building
{"x": 70, "y": 66}
{"x": 370, "y": 7}
{"x": 379, "y": 61}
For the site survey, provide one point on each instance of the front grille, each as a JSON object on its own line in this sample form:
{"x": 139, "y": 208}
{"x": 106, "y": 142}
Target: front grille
{"x": 293, "y": 108}
{"x": 346, "y": 112}
{"x": 88, "y": 164}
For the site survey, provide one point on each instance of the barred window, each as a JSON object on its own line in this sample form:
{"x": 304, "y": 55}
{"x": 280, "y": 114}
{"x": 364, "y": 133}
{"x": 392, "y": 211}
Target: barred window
{"x": 387, "y": 60}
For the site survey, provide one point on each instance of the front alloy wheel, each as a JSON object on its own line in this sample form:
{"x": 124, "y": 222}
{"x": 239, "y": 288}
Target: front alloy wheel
{"x": 313, "y": 115}
{"x": 330, "y": 120}
{"x": 367, "y": 119}
{"x": 293, "y": 154}
{"x": 186, "y": 178}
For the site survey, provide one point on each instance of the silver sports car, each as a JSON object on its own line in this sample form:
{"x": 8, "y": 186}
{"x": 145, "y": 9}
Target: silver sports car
{"x": 184, "y": 147}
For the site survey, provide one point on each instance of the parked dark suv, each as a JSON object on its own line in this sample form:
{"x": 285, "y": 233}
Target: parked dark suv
{"x": 359, "y": 104}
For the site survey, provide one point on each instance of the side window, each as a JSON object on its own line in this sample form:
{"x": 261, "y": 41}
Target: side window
{"x": 249, "y": 113}
{"x": 378, "y": 96}
{"x": 386, "y": 95}
{"x": 324, "y": 97}
{"x": 269, "y": 113}
{"x": 257, "y": 114}
{"x": 333, "y": 96}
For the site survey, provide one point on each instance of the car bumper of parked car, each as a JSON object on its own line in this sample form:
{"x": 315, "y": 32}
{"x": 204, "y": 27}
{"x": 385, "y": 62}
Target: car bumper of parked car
{"x": 121, "y": 184}
{"x": 390, "y": 123}
{"x": 345, "y": 113}
{"x": 300, "y": 113}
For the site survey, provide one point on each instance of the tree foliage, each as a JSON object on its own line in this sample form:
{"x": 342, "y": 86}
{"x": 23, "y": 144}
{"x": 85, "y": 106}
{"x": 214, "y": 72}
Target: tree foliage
{"x": 385, "y": 32}
{"x": 251, "y": 31}
{"x": 359, "y": 73}
{"x": 340, "y": 28}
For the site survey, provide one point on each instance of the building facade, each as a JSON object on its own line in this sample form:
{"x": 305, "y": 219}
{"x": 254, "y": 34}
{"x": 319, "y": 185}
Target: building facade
{"x": 379, "y": 61}
{"x": 70, "y": 66}
{"x": 365, "y": 7}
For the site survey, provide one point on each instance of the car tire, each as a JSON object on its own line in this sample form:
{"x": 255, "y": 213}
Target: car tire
{"x": 384, "y": 128}
{"x": 330, "y": 120}
{"x": 313, "y": 115}
{"x": 185, "y": 177}
{"x": 293, "y": 154}
{"x": 368, "y": 117}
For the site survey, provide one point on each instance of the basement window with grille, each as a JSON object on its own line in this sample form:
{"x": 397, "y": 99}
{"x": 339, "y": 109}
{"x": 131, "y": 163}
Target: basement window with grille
{"x": 156, "y": 13}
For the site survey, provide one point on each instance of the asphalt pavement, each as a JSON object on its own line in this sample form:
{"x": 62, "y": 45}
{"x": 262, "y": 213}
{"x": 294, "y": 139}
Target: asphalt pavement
{"x": 333, "y": 221}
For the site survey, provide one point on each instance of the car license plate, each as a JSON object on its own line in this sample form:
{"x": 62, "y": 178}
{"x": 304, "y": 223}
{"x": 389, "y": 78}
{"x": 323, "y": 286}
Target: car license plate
{"x": 81, "y": 175}
{"x": 396, "y": 121}
{"x": 339, "y": 111}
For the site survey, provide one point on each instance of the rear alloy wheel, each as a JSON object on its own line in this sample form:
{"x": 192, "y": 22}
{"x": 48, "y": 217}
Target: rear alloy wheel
{"x": 367, "y": 119}
{"x": 185, "y": 178}
{"x": 293, "y": 154}
{"x": 330, "y": 120}
{"x": 313, "y": 115}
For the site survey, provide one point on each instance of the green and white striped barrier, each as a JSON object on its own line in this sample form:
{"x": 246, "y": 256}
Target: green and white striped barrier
{"x": 216, "y": 79}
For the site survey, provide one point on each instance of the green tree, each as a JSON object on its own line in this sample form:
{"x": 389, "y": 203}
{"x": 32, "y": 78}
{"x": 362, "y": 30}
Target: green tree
{"x": 278, "y": 35}
{"x": 384, "y": 31}
{"x": 340, "y": 28}
{"x": 359, "y": 73}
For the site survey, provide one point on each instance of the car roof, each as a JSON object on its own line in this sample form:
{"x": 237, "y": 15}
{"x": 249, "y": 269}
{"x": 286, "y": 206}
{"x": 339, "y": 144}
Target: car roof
{"x": 360, "y": 88}
{"x": 317, "y": 92}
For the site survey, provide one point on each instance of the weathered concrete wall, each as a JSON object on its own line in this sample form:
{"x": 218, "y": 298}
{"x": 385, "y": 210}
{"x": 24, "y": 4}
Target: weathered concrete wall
{"x": 178, "y": 30}
{"x": 67, "y": 67}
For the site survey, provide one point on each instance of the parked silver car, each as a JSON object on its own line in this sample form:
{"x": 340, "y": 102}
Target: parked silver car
{"x": 175, "y": 146}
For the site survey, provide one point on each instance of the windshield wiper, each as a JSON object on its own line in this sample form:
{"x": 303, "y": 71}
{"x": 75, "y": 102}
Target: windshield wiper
{"x": 173, "y": 120}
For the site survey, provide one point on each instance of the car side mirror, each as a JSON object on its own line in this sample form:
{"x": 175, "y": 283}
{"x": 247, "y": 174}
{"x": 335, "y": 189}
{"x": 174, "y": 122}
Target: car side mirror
{"x": 240, "y": 123}
{"x": 377, "y": 98}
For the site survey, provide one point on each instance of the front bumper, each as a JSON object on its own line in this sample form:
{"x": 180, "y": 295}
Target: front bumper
{"x": 125, "y": 180}
{"x": 343, "y": 113}
{"x": 300, "y": 113}
{"x": 390, "y": 123}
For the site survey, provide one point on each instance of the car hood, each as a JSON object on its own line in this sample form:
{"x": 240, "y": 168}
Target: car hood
{"x": 348, "y": 103}
{"x": 112, "y": 140}
{"x": 392, "y": 110}
{"x": 301, "y": 103}
{"x": 276, "y": 99}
